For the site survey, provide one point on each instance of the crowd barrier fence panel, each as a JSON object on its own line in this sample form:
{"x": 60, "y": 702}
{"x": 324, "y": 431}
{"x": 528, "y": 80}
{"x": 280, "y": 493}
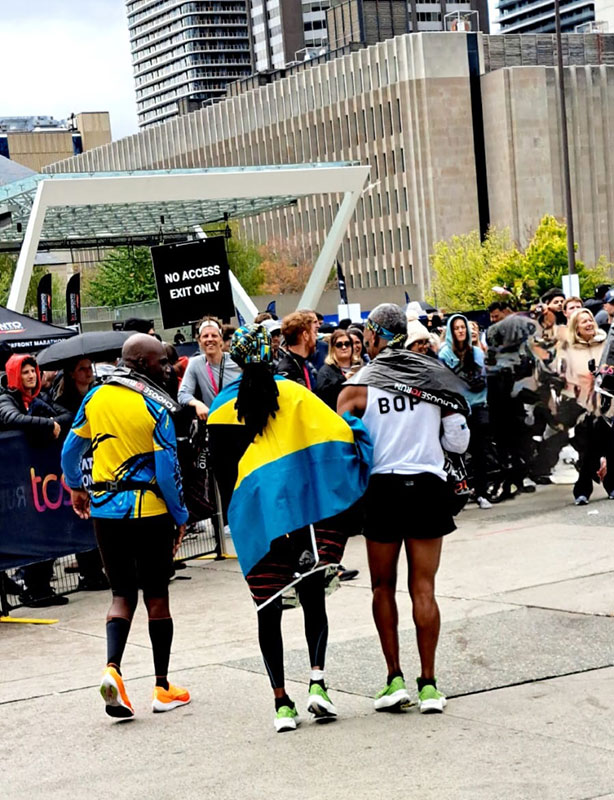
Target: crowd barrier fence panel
{"x": 37, "y": 522}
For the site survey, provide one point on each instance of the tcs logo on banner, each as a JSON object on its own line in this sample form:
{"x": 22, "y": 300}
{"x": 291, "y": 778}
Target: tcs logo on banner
{"x": 49, "y": 492}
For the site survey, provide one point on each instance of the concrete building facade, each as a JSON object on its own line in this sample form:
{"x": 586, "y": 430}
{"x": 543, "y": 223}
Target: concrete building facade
{"x": 36, "y": 142}
{"x": 185, "y": 53}
{"x": 461, "y": 130}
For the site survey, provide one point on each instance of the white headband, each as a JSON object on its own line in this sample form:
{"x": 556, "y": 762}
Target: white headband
{"x": 209, "y": 323}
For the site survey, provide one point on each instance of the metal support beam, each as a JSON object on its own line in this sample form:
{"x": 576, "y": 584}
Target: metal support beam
{"x": 321, "y": 270}
{"x": 27, "y": 254}
{"x": 225, "y": 184}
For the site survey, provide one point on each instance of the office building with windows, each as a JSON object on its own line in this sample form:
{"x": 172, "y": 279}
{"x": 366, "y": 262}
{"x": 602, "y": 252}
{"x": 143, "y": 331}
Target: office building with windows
{"x": 186, "y": 53}
{"x": 37, "y": 141}
{"x": 537, "y": 16}
{"x": 461, "y": 130}
{"x": 371, "y": 21}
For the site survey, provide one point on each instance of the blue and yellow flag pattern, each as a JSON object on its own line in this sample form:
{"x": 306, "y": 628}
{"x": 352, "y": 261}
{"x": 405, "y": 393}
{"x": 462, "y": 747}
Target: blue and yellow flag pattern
{"x": 308, "y": 465}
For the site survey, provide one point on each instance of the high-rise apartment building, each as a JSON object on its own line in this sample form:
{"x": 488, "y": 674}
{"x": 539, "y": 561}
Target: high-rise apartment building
{"x": 285, "y": 31}
{"x": 277, "y": 32}
{"x": 185, "y": 53}
{"x": 537, "y": 16}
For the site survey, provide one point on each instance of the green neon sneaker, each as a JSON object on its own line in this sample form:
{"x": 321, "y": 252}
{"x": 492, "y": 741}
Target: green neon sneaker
{"x": 320, "y": 704}
{"x": 287, "y": 719}
{"x": 430, "y": 700}
{"x": 393, "y": 697}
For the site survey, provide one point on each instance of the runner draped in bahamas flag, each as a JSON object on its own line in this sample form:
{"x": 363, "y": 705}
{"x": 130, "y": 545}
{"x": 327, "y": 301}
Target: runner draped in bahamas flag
{"x": 287, "y": 467}
{"x": 309, "y": 464}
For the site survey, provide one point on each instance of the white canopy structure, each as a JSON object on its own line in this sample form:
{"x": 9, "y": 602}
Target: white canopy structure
{"x": 67, "y": 207}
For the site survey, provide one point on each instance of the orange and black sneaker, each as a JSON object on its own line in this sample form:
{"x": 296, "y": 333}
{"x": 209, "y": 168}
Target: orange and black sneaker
{"x": 114, "y": 694}
{"x": 168, "y": 699}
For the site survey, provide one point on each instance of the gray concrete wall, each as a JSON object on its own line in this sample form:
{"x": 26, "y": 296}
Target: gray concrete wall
{"x": 524, "y": 157}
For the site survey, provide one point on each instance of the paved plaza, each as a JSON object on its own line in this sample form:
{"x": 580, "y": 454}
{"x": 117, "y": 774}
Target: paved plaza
{"x": 526, "y": 657}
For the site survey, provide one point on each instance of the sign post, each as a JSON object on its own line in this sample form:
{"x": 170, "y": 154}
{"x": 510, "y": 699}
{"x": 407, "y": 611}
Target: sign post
{"x": 192, "y": 280}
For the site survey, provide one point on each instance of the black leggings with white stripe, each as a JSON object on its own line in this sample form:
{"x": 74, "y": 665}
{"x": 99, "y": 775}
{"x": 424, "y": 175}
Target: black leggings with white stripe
{"x": 311, "y": 594}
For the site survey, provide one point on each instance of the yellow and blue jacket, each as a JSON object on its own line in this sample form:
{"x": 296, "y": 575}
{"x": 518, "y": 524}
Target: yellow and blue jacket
{"x": 132, "y": 440}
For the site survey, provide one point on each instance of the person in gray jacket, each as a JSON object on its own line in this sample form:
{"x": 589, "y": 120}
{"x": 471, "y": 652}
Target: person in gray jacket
{"x": 208, "y": 373}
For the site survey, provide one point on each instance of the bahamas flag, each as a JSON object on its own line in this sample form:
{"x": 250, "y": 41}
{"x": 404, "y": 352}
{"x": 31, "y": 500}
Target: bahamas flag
{"x": 308, "y": 465}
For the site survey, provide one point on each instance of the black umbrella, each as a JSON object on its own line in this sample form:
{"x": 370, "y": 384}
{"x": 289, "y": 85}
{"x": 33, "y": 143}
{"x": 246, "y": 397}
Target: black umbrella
{"x": 96, "y": 345}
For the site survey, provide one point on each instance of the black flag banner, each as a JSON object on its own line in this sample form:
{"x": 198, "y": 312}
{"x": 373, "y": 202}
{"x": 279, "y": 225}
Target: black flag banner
{"x": 43, "y": 299}
{"x": 343, "y": 293}
{"x": 73, "y": 300}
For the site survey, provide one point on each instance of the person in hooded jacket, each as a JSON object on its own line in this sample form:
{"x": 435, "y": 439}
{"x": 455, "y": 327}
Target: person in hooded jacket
{"x": 22, "y": 410}
{"x": 467, "y": 361}
{"x": 594, "y": 439}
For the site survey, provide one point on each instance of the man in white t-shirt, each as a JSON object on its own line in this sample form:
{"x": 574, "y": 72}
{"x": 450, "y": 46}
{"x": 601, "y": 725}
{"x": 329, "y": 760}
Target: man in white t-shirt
{"x": 413, "y": 408}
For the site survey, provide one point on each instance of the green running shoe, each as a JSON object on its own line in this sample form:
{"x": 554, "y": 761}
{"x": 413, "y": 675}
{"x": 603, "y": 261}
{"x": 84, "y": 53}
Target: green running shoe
{"x": 393, "y": 697}
{"x": 430, "y": 700}
{"x": 320, "y": 704}
{"x": 287, "y": 719}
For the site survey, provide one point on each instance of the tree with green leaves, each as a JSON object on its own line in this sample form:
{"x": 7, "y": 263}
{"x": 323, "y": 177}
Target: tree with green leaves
{"x": 8, "y": 264}
{"x": 125, "y": 276}
{"x": 244, "y": 257}
{"x": 465, "y": 270}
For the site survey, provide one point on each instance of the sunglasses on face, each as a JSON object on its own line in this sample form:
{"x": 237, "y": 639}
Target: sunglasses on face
{"x": 340, "y": 345}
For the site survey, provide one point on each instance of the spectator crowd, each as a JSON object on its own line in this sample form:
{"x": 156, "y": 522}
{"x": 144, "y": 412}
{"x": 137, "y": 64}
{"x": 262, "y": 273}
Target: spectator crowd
{"x": 528, "y": 377}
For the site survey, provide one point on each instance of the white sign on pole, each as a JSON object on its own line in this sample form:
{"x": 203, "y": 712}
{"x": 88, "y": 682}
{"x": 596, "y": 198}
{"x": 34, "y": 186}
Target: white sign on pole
{"x": 571, "y": 285}
{"x": 349, "y": 311}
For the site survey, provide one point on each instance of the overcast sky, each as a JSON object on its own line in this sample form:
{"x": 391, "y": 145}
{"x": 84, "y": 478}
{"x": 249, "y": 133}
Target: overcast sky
{"x": 63, "y": 56}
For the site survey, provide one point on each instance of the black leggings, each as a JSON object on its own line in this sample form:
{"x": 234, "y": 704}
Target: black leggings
{"x": 311, "y": 594}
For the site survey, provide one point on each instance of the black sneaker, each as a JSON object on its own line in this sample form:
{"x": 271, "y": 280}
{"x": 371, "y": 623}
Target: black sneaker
{"x": 10, "y": 586}
{"x": 347, "y": 574}
{"x": 42, "y": 601}
{"x": 97, "y": 583}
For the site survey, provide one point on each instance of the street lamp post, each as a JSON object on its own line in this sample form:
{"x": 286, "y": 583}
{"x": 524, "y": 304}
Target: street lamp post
{"x": 571, "y": 254}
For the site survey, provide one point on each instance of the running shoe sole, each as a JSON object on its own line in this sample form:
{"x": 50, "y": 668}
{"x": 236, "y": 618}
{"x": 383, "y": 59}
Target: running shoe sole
{"x": 434, "y": 706}
{"x": 115, "y": 706}
{"x": 397, "y": 701}
{"x": 322, "y": 711}
{"x": 158, "y": 708}
{"x": 286, "y": 724}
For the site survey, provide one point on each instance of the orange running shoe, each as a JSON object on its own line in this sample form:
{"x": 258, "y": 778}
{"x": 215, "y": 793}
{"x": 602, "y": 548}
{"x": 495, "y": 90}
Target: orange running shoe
{"x": 114, "y": 694}
{"x": 168, "y": 699}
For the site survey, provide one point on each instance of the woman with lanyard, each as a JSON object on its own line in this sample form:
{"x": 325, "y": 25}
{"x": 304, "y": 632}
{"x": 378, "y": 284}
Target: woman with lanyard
{"x": 207, "y": 374}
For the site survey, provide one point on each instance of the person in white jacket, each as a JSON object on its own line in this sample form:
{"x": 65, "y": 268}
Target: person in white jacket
{"x": 413, "y": 409}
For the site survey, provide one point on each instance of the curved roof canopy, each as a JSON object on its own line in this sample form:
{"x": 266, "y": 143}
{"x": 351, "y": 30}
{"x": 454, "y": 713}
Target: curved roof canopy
{"x": 68, "y": 224}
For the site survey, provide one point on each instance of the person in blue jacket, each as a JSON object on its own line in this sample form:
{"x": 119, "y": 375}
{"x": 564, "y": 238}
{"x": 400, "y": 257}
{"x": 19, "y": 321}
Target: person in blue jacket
{"x": 467, "y": 362}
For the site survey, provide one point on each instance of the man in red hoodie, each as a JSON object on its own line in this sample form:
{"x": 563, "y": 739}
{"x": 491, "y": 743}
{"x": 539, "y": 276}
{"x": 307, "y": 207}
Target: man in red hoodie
{"x": 20, "y": 410}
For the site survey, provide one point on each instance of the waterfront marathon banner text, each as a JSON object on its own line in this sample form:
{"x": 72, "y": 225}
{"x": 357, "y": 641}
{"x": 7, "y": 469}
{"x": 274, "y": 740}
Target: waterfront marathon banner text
{"x": 36, "y": 518}
{"x": 193, "y": 280}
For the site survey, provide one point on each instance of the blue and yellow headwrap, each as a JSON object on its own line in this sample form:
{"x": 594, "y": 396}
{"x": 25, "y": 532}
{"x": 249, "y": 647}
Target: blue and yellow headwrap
{"x": 395, "y": 339}
{"x": 251, "y": 344}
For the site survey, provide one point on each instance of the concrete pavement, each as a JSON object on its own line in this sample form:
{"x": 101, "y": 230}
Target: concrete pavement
{"x": 526, "y": 657}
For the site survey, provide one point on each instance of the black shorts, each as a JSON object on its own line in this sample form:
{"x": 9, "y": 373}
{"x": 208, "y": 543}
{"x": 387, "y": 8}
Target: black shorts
{"x": 137, "y": 554}
{"x": 399, "y": 507}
